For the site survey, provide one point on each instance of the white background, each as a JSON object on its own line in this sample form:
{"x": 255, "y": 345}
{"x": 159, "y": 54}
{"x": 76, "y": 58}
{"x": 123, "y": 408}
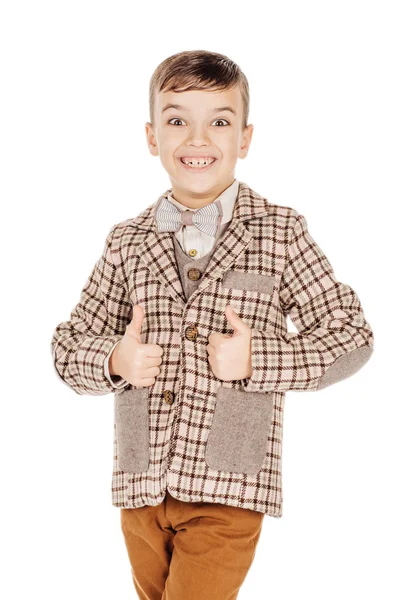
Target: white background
{"x": 324, "y": 85}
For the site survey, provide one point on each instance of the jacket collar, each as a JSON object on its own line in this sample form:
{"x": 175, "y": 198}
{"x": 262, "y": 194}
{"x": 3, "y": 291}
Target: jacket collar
{"x": 158, "y": 253}
{"x": 248, "y": 205}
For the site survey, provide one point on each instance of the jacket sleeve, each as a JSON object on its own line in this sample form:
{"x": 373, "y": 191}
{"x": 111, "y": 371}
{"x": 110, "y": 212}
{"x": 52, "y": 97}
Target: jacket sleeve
{"x": 333, "y": 341}
{"x": 80, "y": 346}
{"x": 116, "y": 381}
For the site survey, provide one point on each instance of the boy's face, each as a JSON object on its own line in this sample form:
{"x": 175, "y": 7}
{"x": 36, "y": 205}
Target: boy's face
{"x": 198, "y": 129}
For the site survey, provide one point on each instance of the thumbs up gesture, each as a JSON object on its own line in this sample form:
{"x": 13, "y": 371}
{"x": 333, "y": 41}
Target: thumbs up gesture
{"x": 230, "y": 355}
{"x": 137, "y": 363}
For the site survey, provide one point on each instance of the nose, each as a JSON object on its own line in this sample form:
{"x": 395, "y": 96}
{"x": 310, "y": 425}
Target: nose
{"x": 198, "y": 136}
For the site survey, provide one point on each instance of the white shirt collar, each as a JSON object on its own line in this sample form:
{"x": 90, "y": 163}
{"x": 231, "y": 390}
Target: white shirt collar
{"x": 227, "y": 199}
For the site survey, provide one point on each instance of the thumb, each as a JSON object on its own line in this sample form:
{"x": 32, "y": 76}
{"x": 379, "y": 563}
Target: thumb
{"x": 135, "y": 325}
{"x": 238, "y": 325}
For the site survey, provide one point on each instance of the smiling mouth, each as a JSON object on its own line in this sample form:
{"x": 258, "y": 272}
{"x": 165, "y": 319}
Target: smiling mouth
{"x": 195, "y": 166}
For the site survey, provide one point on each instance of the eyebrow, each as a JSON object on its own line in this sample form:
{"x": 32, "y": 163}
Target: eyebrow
{"x": 180, "y": 107}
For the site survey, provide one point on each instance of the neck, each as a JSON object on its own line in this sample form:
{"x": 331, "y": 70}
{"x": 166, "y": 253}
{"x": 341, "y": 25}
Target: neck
{"x": 195, "y": 200}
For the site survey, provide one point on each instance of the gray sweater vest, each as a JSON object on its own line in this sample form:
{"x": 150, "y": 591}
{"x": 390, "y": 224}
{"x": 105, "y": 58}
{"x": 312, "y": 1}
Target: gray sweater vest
{"x": 188, "y": 266}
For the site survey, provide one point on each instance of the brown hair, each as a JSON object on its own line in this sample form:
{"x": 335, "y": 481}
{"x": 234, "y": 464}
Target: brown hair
{"x": 198, "y": 70}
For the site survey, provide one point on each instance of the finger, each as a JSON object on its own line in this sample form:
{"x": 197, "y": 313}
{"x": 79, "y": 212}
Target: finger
{"x": 151, "y": 372}
{"x": 210, "y": 350}
{"x": 213, "y": 338}
{"x": 147, "y": 382}
{"x": 152, "y": 350}
{"x": 137, "y": 320}
{"x": 151, "y": 361}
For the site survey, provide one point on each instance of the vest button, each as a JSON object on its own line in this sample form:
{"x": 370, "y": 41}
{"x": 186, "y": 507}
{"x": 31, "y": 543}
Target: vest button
{"x": 194, "y": 274}
{"x": 192, "y": 252}
{"x": 191, "y": 333}
{"x": 168, "y": 396}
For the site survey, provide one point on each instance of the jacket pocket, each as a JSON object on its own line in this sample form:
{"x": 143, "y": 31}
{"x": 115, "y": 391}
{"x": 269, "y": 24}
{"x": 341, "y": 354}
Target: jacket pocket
{"x": 251, "y": 282}
{"x": 132, "y": 421}
{"x": 238, "y": 437}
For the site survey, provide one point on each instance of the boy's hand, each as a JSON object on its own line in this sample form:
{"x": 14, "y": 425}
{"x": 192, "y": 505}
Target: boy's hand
{"x": 230, "y": 355}
{"x": 137, "y": 363}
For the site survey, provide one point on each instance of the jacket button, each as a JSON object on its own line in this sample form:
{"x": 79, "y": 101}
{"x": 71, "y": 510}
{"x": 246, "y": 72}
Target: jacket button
{"x": 191, "y": 333}
{"x": 194, "y": 274}
{"x": 168, "y": 396}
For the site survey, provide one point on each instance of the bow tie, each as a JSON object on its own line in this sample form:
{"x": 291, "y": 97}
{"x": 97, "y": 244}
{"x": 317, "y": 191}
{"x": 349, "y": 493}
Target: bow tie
{"x": 206, "y": 219}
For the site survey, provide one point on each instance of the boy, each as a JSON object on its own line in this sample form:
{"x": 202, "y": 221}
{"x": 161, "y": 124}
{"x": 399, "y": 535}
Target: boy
{"x": 184, "y": 318}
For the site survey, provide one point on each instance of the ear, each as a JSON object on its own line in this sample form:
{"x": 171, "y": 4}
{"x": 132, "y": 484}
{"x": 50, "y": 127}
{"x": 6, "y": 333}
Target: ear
{"x": 246, "y": 140}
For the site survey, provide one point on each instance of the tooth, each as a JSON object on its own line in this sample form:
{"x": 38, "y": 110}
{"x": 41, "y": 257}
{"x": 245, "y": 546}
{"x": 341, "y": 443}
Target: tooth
{"x": 200, "y": 162}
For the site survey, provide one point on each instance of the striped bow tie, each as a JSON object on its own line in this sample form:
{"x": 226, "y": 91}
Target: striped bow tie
{"x": 206, "y": 219}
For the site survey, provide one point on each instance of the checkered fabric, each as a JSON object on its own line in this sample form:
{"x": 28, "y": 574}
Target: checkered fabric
{"x": 204, "y": 439}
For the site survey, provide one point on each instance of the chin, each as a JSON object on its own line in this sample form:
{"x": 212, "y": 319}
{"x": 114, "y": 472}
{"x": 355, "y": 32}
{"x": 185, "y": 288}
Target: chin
{"x": 198, "y": 186}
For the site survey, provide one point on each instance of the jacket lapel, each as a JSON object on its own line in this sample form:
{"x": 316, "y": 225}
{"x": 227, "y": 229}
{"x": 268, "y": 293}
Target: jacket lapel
{"x": 158, "y": 253}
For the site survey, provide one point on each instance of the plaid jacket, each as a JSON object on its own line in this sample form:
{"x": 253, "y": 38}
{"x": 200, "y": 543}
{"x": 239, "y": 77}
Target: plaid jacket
{"x": 203, "y": 438}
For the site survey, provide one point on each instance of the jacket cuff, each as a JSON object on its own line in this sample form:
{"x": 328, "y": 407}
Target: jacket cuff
{"x": 83, "y": 370}
{"x": 90, "y": 363}
{"x": 278, "y": 366}
{"x": 116, "y": 381}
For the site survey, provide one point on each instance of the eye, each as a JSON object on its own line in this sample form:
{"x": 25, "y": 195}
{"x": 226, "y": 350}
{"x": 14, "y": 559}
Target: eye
{"x": 222, "y": 120}
{"x": 175, "y": 119}
{"x": 178, "y": 119}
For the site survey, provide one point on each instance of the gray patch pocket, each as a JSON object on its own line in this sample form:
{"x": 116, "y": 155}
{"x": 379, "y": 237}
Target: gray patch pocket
{"x": 132, "y": 421}
{"x": 252, "y": 282}
{"x": 238, "y": 437}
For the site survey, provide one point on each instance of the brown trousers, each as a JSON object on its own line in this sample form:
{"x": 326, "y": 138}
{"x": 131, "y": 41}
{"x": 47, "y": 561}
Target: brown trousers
{"x": 190, "y": 550}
